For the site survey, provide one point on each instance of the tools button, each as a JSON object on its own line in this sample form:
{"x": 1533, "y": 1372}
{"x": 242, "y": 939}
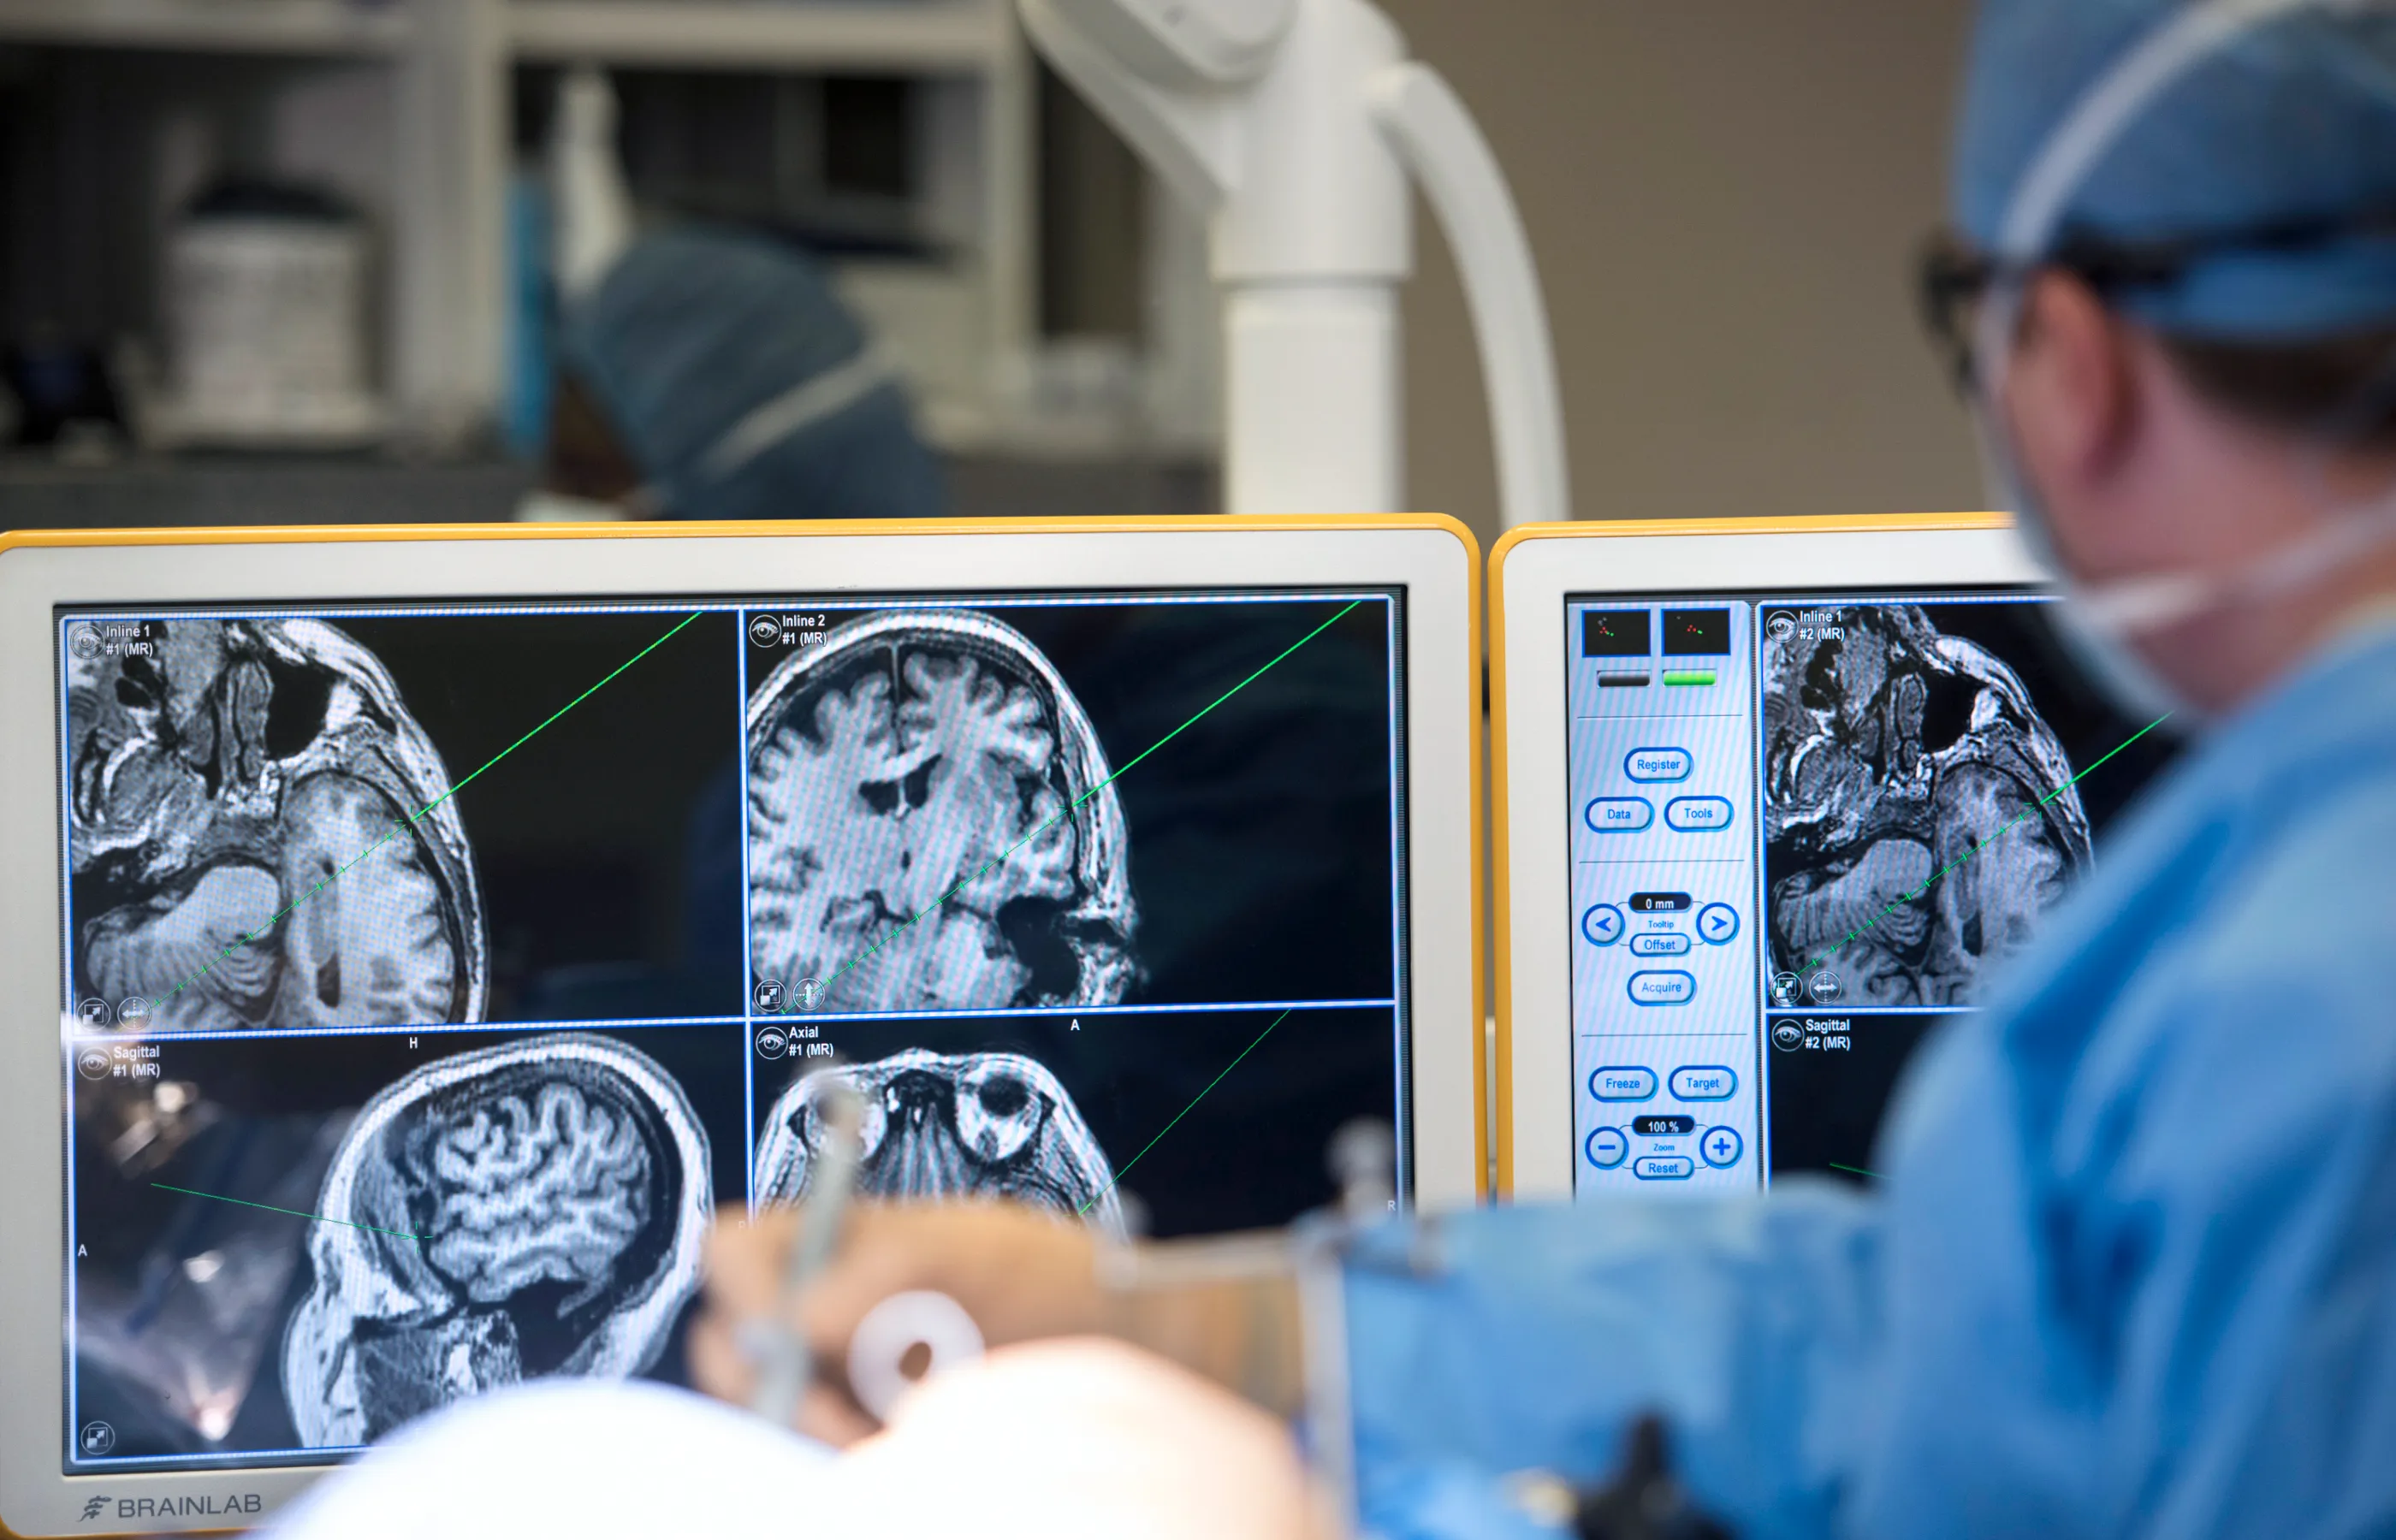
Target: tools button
{"x": 1698, "y": 814}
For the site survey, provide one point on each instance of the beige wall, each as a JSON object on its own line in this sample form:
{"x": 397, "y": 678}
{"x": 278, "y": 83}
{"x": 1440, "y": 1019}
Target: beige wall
{"x": 1724, "y": 198}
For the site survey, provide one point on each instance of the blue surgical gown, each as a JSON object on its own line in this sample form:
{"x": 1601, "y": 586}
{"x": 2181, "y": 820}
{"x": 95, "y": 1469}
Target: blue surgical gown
{"x": 2133, "y": 1268}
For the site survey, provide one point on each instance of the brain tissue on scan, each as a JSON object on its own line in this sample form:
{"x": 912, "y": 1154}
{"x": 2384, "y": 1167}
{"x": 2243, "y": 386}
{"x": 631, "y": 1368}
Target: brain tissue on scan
{"x": 1893, "y": 753}
{"x": 497, "y": 1216}
{"x": 921, "y": 761}
{"x": 217, "y": 789}
{"x": 935, "y": 1126}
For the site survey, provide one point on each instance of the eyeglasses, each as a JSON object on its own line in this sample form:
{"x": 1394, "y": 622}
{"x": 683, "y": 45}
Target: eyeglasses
{"x": 1953, "y": 277}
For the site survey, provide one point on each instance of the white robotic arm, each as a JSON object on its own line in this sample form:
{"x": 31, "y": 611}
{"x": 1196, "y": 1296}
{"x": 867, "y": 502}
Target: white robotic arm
{"x": 1292, "y": 124}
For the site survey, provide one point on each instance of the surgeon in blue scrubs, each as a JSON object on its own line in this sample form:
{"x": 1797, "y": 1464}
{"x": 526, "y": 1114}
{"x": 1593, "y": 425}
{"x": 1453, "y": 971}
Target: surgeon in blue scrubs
{"x": 2133, "y": 1268}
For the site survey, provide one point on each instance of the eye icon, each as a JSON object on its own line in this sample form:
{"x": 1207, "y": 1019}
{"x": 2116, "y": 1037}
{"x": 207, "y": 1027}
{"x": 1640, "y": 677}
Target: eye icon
{"x": 84, "y": 644}
{"x": 765, "y": 630}
{"x": 92, "y": 1064}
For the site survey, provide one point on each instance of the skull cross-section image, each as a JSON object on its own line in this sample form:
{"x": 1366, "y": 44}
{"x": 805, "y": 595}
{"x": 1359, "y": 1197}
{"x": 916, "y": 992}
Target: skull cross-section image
{"x": 1920, "y": 813}
{"x": 931, "y": 823}
{"x": 498, "y": 1217}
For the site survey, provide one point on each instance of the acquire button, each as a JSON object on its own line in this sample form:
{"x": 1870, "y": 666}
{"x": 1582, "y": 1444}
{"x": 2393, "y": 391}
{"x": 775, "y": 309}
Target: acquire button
{"x": 1663, "y": 987}
{"x": 1662, "y": 1168}
{"x": 1692, "y": 815}
{"x": 1622, "y": 1082}
{"x": 1704, "y": 1082}
{"x": 1619, "y": 815}
{"x": 1660, "y": 944}
{"x": 1657, "y": 764}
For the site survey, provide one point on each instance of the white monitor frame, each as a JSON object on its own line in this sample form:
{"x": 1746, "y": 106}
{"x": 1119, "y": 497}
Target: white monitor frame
{"x": 1433, "y": 559}
{"x": 1531, "y": 572}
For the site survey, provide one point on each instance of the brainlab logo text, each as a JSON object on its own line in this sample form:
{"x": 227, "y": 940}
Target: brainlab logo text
{"x": 175, "y": 1507}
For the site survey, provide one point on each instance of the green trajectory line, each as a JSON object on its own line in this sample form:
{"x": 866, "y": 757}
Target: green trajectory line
{"x": 1858, "y": 1170}
{"x": 1076, "y": 806}
{"x": 296, "y": 1213}
{"x": 1183, "y": 1113}
{"x": 418, "y": 816}
{"x": 2025, "y": 815}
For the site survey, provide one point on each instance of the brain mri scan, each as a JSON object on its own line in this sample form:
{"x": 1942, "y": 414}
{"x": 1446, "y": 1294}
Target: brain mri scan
{"x": 978, "y": 1126}
{"x": 505, "y": 1214}
{"x": 1894, "y": 752}
{"x": 906, "y": 755}
{"x": 226, "y": 776}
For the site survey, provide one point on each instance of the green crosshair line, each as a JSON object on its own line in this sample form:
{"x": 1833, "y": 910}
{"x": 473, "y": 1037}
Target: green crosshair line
{"x": 1858, "y": 1170}
{"x": 2024, "y": 817}
{"x": 415, "y": 818}
{"x": 1125, "y": 1167}
{"x": 296, "y": 1213}
{"x": 1075, "y": 806}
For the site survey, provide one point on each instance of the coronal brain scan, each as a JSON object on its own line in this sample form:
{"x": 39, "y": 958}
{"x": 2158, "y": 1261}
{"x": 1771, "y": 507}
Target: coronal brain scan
{"x": 933, "y": 760}
{"x": 222, "y": 772}
{"x": 1893, "y": 754}
{"x": 498, "y": 1215}
{"x": 938, "y": 1126}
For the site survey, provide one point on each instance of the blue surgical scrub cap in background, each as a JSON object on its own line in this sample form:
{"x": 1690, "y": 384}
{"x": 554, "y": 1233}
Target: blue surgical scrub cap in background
{"x": 743, "y": 388}
{"x": 2293, "y": 119}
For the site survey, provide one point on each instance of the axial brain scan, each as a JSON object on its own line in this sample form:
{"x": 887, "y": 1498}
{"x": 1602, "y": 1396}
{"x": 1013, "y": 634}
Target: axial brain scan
{"x": 499, "y": 1215}
{"x": 231, "y": 770}
{"x": 898, "y": 767}
{"x": 1891, "y": 752}
{"x": 989, "y": 1125}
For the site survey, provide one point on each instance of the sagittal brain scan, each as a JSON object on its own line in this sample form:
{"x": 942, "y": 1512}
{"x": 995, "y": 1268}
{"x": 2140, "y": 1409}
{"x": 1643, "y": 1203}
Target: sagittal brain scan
{"x": 933, "y": 760}
{"x": 222, "y": 771}
{"x": 1892, "y": 753}
{"x": 499, "y": 1215}
{"x": 938, "y": 1126}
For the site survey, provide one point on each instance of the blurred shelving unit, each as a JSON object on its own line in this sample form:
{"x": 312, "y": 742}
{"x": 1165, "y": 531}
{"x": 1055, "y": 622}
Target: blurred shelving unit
{"x": 412, "y": 110}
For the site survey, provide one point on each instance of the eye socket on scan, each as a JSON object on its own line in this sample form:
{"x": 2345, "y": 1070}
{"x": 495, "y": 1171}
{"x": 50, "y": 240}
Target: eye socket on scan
{"x": 997, "y": 1114}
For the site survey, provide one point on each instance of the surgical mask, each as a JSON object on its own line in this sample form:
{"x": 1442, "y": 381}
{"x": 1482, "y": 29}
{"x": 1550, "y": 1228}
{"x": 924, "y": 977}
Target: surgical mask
{"x": 2100, "y": 622}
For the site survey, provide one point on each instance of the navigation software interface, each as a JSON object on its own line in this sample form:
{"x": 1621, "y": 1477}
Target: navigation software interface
{"x": 434, "y": 974}
{"x": 1805, "y": 828}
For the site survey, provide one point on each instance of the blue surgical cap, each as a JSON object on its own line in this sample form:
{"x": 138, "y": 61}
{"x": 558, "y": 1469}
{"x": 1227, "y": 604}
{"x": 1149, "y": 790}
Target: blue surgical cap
{"x": 742, "y": 387}
{"x": 2294, "y": 120}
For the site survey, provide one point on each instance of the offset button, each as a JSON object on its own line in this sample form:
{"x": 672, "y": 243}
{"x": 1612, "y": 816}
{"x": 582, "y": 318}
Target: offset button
{"x": 1619, "y": 815}
{"x": 1607, "y": 1146}
{"x": 1663, "y": 987}
{"x": 1720, "y": 1146}
{"x": 1698, "y": 814}
{"x": 1704, "y": 1082}
{"x": 1658, "y": 765}
{"x": 1662, "y": 1168}
{"x": 1602, "y": 923}
{"x": 1717, "y": 923}
{"x": 1660, "y": 944}
{"x": 1622, "y": 1082}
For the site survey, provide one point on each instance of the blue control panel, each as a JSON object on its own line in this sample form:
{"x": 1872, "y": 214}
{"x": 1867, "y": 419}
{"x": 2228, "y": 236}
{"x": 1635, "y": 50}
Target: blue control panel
{"x": 1664, "y": 962}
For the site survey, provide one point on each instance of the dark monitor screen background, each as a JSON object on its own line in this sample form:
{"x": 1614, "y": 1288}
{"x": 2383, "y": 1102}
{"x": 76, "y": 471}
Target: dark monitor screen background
{"x": 442, "y": 971}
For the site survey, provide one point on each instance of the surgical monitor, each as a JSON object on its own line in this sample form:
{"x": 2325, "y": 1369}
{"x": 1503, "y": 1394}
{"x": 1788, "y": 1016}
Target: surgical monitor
{"x": 421, "y": 937}
{"x": 1774, "y": 800}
